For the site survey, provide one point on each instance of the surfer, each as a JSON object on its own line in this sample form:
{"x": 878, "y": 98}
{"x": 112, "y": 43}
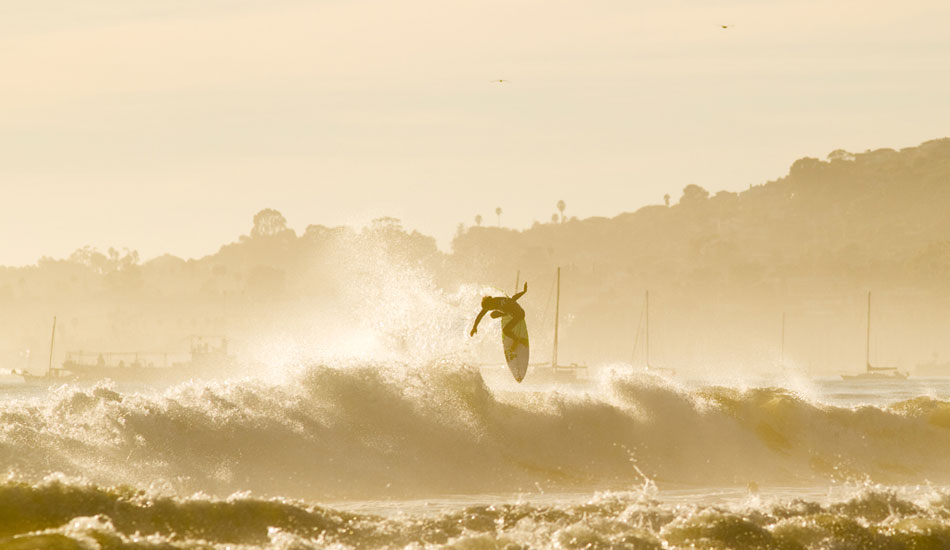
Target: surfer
{"x": 500, "y": 306}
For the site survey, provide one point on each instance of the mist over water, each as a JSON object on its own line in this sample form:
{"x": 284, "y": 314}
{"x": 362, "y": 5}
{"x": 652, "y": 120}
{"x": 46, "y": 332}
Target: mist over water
{"x": 381, "y": 427}
{"x": 379, "y": 431}
{"x": 363, "y": 415}
{"x": 708, "y": 370}
{"x": 444, "y": 457}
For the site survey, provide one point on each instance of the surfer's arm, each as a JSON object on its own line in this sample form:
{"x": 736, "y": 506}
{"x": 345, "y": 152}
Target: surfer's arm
{"x": 478, "y": 320}
{"x": 520, "y": 294}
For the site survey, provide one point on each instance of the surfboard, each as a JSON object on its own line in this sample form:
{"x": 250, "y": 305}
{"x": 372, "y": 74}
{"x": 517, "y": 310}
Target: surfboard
{"x": 516, "y": 351}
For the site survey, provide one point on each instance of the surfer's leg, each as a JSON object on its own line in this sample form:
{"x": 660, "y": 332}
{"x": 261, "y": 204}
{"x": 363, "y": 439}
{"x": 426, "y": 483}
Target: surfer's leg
{"x": 508, "y": 328}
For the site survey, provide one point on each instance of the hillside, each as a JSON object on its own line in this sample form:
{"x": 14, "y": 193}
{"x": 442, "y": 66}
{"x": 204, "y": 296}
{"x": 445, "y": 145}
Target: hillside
{"x": 853, "y": 218}
{"x": 722, "y": 267}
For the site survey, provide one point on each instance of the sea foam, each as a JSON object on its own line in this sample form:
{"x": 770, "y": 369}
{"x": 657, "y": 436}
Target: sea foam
{"x": 392, "y": 431}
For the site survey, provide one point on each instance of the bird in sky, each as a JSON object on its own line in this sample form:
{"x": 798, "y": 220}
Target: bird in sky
{"x": 500, "y": 81}
{"x": 727, "y": 26}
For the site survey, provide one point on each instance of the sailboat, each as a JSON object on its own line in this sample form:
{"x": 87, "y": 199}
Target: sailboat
{"x": 555, "y": 372}
{"x": 545, "y": 373}
{"x": 871, "y": 372}
{"x": 646, "y": 341}
{"x": 53, "y": 375}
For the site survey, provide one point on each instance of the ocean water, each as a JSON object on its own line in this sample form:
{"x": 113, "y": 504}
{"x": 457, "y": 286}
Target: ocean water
{"x": 377, "y": 455}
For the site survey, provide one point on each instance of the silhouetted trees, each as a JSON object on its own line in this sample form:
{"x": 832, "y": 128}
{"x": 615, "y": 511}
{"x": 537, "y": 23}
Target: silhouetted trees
{"x": 693, "y": 195}
{"x": 826, "y": 228}
{"x": 268, "y": 222}
{"x": 113, "y": 260}
{"x": 841, "y": 154}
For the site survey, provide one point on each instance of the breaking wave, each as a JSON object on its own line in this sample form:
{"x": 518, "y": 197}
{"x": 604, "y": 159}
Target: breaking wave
{"x": 62, "y": 515}
{"x": 373, "y": 431}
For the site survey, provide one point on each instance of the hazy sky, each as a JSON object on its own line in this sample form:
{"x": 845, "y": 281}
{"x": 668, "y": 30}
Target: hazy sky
{"x": 164, "y": 126}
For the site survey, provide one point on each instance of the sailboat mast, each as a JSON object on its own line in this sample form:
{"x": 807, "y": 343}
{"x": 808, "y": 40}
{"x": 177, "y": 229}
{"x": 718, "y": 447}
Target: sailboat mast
{"x": 867, "y": 341}
{"x": 647, "y": 301}
{"x": 52, "y": 339}
{"x": 517, "y": 281}
{"x": 557, "y": 311}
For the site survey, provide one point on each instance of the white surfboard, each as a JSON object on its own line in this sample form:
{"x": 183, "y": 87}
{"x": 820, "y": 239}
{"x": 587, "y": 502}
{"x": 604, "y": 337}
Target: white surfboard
{"x": 516, "y": 351}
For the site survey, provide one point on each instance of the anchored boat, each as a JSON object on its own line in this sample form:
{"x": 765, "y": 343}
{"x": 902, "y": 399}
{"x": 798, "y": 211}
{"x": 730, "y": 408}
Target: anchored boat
{"x": 871, "y": 372}
{"x": 208, "y": 357}
{"x": 52, "y": 375}
{"x": 647, "y": 365}
{"x": 553, "y": 372}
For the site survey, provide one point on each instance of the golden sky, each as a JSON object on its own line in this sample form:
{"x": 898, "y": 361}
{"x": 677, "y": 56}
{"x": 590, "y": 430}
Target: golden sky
{"x": 164, "y": 126}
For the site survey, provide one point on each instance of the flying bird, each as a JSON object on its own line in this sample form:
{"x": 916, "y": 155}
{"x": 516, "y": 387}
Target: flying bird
{"x": 727, "y": 26}
{"x": 500, "y": 81}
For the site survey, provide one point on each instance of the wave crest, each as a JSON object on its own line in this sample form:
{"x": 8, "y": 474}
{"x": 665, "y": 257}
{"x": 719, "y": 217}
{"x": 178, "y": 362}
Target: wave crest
{"x": 371, "y": 431}
{"x": 63, "y": 515}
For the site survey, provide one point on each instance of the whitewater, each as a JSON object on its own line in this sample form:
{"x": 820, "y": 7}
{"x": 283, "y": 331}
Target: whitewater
{"x": 377, "y": 455}
{"x": 380, "y": 426}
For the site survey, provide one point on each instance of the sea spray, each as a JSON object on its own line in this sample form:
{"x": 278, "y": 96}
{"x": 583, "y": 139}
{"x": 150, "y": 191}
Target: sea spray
{"x": 397, "y": 431}
{"x": 63, "y": 515}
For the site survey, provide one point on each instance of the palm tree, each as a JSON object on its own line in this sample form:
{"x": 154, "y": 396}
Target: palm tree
{"x": 666, "y": 199}
{"x": 498, "y": 213}
{"x": 561, "y": 206}
{"x": 554, "y": 218}
{"x": 478, "y": 220}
